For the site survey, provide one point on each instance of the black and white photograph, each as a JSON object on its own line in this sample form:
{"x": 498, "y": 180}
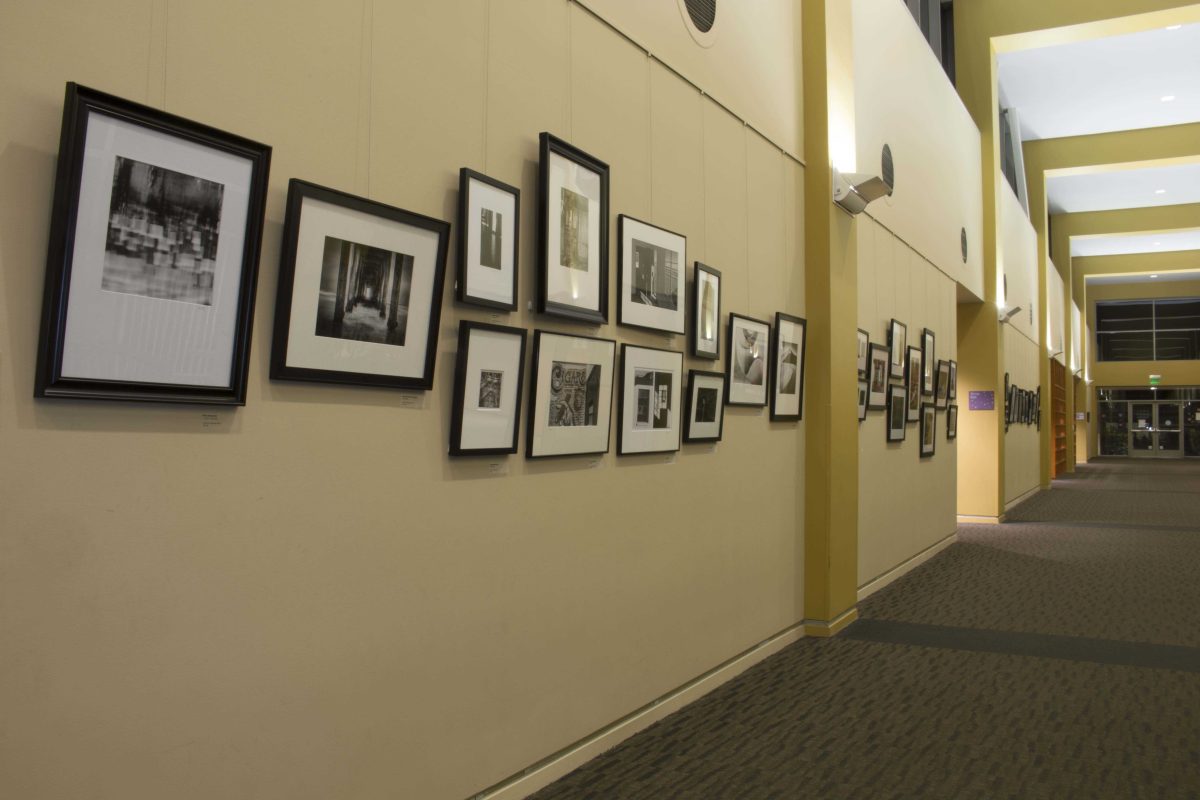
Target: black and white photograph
{"x": 897, "y": 402}
{"x": 749, "y": 347}
{"x": 952, "y": 421}
{"x": 571, "y": 393}
{"x": 862, "y": 400}
{"x": 704, "y": 409}
{"x": 651, "y": 278}
{"x": 942, "y": 388}
{"x": 953, "y": 380}
{"x": 913, "y": 384}
{"x": 928, "y": 429}
{"x": 864, "y": 347}
{"x": 488, "y": 372}
{"x": 360, "y": 288}
{"x": 787, "y": 367}
{"x": 897, "y": 347}
{"x": 489, "y": 221}
{"x": 651, "y": 393}
{"x": 706, "y": 312}
{"x": 927, "y": 362}
{"x": 572, "y": 232}
{"x": 878, "y": 367}
{"x": 153, "y": 256}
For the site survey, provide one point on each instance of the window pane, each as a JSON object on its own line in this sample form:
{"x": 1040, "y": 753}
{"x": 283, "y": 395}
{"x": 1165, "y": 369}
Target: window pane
{"x": 1114, "y": 429}
{"x": 1176, "y": 314}
{"x": 1125, "y": 346}
{"x": 1177, "y": 345}
{"x": 1137, "y": 316}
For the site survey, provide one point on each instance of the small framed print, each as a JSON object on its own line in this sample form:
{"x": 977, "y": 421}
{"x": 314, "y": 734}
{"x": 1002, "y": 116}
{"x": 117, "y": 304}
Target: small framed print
{"x": 749, "y": 348}
{"x": 953, "y": 380}
{"x": 864, "y": 347}
{"x": 651, "y": 280}
{"x": 952, "y": 421}
{"x": 927, "y": 362}
{"x": 704, "y": 406}
{"x": 651, "y": 391}
{"x": 570, "y": 403}
{"x": 928, "y": 429}
{"x": 913, "y": 384}
{"x": 489, "y": 222}
{"x": 897, "y": 402}
{"x": 706, "y": 312}
{"x": 1007, "y": 403}
{"x": 489, "y": 374}
{"x": 878, "y": 380}
{"x": 1037, "y": 405}
{"x": 153, "y": 256}
{"x": 360, "y": 291}
{"x": 942, "y": 393}
{"x": 862, "y": 400}
{"x": 787, "y": 368}
{"x": 572, "y": 232}
{"x": 897, "y": 346}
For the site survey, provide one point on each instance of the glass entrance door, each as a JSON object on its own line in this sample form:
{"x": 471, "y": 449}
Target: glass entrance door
{"x": 1141, "y": 429}
{"x": 1167, "y": 431}
{"x": 1155, "y": 430}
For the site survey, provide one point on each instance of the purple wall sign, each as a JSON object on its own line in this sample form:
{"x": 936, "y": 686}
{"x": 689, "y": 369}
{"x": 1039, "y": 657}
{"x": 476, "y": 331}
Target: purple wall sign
{"x": 983, "y": 401}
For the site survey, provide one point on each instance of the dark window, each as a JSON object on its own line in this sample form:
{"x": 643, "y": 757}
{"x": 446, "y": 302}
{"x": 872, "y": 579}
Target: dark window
{"x": 1148, "y": 330}
{"x": 935, "y": 18}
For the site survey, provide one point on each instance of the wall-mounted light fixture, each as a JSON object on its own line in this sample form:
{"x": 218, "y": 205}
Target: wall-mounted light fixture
{"x": 854, "y": 190}
{"x": 1008, "y": 315}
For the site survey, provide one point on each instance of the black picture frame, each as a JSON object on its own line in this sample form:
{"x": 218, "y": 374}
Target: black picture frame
{"x": 952, "y": 421}
{"x": 897, "y": 412}
{"x": 152, "y": 197}
{"x": 492, "y": 394}
{"x": 787, "y": 367}
{"x": 488, "y": 253}
{"x": 706, "y": 313}
{"x": 912, "y": 384}
{"x": 1007, "y": 403}
{"x": 702, "y": 430}
{"x": 862, "y": 400}
{"x": 928, "y": 353}
{"x": 747, "y": 372}
{"x": 928, "y": 430}
{"x": 634, "y": 280}
{"x": 649, "y": 415}
{"x": 878, "y": 371}
{"x": 548, "y": 346}
{"x": 897, "y": 344}
{"x": 953, "y": 380}
{"x": 550, "y": 301}
{"x": 941, "y": 391}
{"x": 312, "y": 341}
{"x": 863, "y": 348}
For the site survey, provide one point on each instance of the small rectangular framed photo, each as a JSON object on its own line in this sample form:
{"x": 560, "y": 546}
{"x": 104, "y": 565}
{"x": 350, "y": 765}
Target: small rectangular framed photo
{"x": 651, "y": 278}
{"x": 153, "y": 257}
{"x": 927, "y": 362}
{"x": 862, "y": 400}
{"x": 570, "y": 402}
{"x": 878, "y": 381}
{"x": 572, "y": 232}
{"x": 704, "y": 406}
{"x": 360, "y": 291}
{"x": 864, "y": 347}
{"x": 952, "y": 421}
{"x": 942, "y": 393}
{"x": 488, "y": 376}
{"x": 897, "y": 347}
{"x": 913, "y": 384}
{"x": 706, "y": 312}
{"x": 897, "y": 402}
{"x": 749, "y": 348}
{"x": 651, "y": 391}
{"x": 928, "y": 429}
{"x": 953, "y": 380}
{"x": 489, "y": 221}
{"x": 787, "y": 368}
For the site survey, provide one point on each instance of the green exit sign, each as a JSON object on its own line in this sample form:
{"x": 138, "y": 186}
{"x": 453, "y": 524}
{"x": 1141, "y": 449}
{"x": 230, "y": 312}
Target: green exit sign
{"x": 1155, "y": 380}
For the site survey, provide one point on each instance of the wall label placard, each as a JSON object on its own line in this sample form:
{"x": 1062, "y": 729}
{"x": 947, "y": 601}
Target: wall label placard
{"x": 982, "y": 401}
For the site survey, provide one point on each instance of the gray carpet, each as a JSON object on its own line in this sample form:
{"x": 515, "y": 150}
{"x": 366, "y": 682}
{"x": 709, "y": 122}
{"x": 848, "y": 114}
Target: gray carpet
{"x": 1057, "y": 656}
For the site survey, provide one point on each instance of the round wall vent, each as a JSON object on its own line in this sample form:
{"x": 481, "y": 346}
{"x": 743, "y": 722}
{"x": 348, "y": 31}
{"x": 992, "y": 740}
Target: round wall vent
{"x": 700, "y": 17}
{"x": 889, "y": 169}
{"x": 962, "y": 238}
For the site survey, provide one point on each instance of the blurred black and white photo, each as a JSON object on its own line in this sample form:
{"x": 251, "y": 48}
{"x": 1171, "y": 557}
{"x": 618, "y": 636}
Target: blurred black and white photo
{"x": 573, "y": 230}
{"x": 490, "y": 384}
{"x": 707, "y": 399}
{"x": 491, "y": 238}
{"x": 789, "y": 360}
{"x": 749, "y": 349}
{"x": 655, "y": 276}
{"x": 653, "y": 398}
{"x": 364, "y": 293}
{"x": 574, "y": 394}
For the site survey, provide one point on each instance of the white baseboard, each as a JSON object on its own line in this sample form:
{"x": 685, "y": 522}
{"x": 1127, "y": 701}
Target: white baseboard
{"x": 570, "y": 758}
{"x": 1021, "y": 498}
{"x": 871, "y": 587}
{"x": 974, "y": 519}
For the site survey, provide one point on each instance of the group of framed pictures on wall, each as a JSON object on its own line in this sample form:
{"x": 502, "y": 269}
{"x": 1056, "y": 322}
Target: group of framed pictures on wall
{"x": 1022, "y": 406}
{"x": 918, "y": 374}
{"x": 152, "y": 269}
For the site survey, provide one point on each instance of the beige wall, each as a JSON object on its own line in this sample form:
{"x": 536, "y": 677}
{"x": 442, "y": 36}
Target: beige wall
{"x": 1056, "y": 313}
{"x": 308, "y": 599}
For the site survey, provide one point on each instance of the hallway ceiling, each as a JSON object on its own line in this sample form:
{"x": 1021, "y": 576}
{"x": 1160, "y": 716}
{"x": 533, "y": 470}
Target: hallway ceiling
{"x": 1125, "y": 188}
{"x": 1166, "y": 277}
{"x": 1122, "y": 244}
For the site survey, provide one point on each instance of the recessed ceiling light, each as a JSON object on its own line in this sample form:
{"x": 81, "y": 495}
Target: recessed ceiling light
{"x": 1160, "y": 191}
{"x": 1168, "y": 98}
{"x": 1153, "y": 276}
{"x": 1174, "y": 27}
{"x": 1158, "y": 244}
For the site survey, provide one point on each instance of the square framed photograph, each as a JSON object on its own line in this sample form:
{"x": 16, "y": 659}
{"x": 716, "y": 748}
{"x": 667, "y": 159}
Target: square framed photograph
{"x": 913, "y": 384}
{"x": 864, "y": 347}
{"x": 897, "y": 347}
{"x": 878, "y": 380}
{"x": 489, "y": 223}
{"x": 706, "y": 312}
{"x": 572, "y": 232}
{"x": 897, "y": 402}
{"x": 360, "y": 291}
{"x": 928, "y": 429}
{"x": 953, "y": 380}
{"x": 570, "y": 402}
{"x": 153, "y": 256}
{"x": 952, "y": 421}
{"x": 651, "y": 391}
{"x": 488, "y": 376}
{"x": 704, "y": 406}
{"x": 927, "y": 362}
{"x": 749, "y": 348}
{"x": 942, "y": 388}
{"x": 862, "y": 400}
{"x": 787, "y": 368}
{"x": 651, "y": 279}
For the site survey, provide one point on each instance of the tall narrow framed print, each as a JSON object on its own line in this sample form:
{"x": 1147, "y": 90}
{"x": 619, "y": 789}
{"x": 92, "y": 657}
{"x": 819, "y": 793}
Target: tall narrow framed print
{"x": 942, "y": 387}
{"x": 749, "y": 349}
{"x": 862, "y": 400}
{"x": 153, "y": 256}
{"x": 489, "y": 221}
{"x": 897, "y": 400}
{"x": 864, "y": 347}
{"x": 572, "y": 232}
{"x": 787, "y": 367}
{"x": 897, "y": 344}
{"x": 704, "y": 406}
{"x": 651, "y": 390}
{"x": 953, "y": 380}
{"x": 651, "y": 278}
{"x": 360, "y": 291}
{"x": 928, "y": 429}
{"x": 706, "y": 312}
{"x": 952, "y": 421}
{"x": 877, "y": 380}
{"x": 913, "y": 384}
{"x": 488, "y": 376}
{"x": 570, "y": 402}
{"x": 927, "y": 361}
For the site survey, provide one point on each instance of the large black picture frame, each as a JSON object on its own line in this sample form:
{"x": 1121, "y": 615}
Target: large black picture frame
{"x": 638, "y": 314}
{"x": 782, "y": 408}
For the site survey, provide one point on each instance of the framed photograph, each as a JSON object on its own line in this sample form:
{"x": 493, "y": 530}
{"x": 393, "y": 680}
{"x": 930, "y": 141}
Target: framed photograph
{"x": 928, "y": 426}
{"x": 706, "y": 312}
{"x": 488, "y": 376}
{"x": 749, "y": 347}
{"x": 897, "y": 347}
{"x": 1037, "y": 405}
{"x": 651, "y": 391}
{"x": 878, "y": 380}
{"x": 862, "y": 400}
{"x": 489, "y": 221}
{"x": 360, "y": 291}
{"x": 704, "y": 406}
{"x": 573, "y": 232}
{"x": 570, "y": 403}
{"x": 953, "y": 380}
{"x": 153, "y": 256}
{"x": 787, "y": 368}
{"x": 1007, "y": 403}
{"x": 952, "y": 421}
{"x": 897, "y": 401}
{"x": 942, "y": 393}
{"x": 927, "y": 362}
{"x": 913, "y": 384}
{"x": 864, "y": 347}
{"x": 651, "y": 280}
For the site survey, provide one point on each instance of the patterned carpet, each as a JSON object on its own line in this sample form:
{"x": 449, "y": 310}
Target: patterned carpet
{"x": 1057, "y": 656}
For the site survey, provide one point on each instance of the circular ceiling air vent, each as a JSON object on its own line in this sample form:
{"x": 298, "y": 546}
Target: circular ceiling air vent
{"x": 889, "y": 170}
{"x": 962, "y": 238}
{"x": 700, "y": 16}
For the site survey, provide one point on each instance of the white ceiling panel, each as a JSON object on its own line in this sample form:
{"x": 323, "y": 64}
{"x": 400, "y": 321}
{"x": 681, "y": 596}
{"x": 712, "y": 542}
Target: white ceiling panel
{"x": 1125, "y": 188}
{"x": 1125, "y": 244}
